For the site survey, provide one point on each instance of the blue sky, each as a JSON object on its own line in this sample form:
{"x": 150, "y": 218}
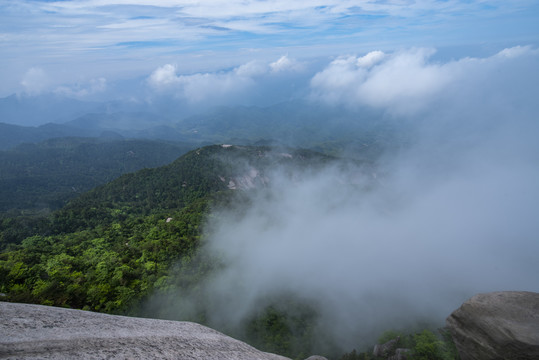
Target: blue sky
{"x": 84, "y": 46}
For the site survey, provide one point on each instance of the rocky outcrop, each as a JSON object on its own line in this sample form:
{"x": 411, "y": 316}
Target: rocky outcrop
{"x": 43, "y": 332}
{"x": 400, "y": 354}
{"x": 390, "y": 351}
{"x": 386, "y": 349}
{"x": 499, "y": 325}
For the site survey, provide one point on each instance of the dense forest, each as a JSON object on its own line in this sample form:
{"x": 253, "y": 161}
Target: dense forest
{"x": 36, "y": 176}
{"x": 109, "y": 249}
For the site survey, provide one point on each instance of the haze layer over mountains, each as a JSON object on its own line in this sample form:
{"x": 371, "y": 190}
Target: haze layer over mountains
{"x": 428, "y": 110}
{"x": 452, "y": 180}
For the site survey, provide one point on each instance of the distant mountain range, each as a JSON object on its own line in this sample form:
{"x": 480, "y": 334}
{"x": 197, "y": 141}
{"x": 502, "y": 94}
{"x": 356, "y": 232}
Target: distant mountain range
{"x": 28, "y": 110}
{"x": 293, "y": 123}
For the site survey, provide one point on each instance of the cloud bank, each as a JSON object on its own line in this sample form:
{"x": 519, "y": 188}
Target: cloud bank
{"x": 83, "y": 90}
{"x": 243, "y": 84}
{"x": 35, "y": 81}
{"x": 411, "y": 238}
{"x": 410, "y": 250}
{"x": 409, "y": 81}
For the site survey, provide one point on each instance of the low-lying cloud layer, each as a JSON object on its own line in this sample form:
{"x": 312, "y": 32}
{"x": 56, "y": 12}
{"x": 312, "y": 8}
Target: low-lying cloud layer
{"x": 409, "y": 81}
{"x": 404, "y": 83}
{"x": 452, "y": 215}
{"x": 244, "y": 84}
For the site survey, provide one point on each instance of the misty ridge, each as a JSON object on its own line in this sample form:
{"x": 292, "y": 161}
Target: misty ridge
{"x": 427, "y": 192}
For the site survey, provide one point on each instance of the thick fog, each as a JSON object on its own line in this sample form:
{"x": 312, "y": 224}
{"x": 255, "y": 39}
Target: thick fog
{"x": 408, "y": 240}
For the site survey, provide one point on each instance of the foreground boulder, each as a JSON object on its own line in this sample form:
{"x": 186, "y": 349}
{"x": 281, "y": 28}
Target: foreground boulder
{"x": 498, "y": 325}
{"x": 43, "y": 332}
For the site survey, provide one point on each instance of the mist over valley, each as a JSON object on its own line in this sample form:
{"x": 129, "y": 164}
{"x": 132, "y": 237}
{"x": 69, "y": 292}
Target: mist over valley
{"x": 307, "y": 178}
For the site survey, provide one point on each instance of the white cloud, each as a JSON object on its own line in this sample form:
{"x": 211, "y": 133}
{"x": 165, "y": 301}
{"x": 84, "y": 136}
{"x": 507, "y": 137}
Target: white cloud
{"x": 200, "y": 87}
{"x": 35, "y": 81}
{"x": 82, "y": 90}
{"x": 338, "y": 81}
{"x": 404, "y": 78}
{"x": 514, "y": 52}
{"x": 251, "y": 69}
{"x": 405, "y": 82}
{"x": 370, "y": 59}
{"x": 163, "y": 76}
{"x": 284, "y": 63}
{"x": 218, "y": 87}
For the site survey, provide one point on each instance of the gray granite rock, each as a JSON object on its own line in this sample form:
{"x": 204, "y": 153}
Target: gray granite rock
{"x": 43, "y": 332}
{"x": 401, "y": 354}
{"x": 387, "y": 349}
{"x": 498, "y": 325}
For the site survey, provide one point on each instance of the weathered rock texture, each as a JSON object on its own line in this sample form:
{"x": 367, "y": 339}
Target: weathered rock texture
{"x": 499, "y": 325}
{"x": 385, "y": 350}
{"x": 43, "y": 332}
{"x": 400, "y": 354}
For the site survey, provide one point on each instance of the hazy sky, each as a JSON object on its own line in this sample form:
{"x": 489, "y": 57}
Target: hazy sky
{"x": 85, "y": 47}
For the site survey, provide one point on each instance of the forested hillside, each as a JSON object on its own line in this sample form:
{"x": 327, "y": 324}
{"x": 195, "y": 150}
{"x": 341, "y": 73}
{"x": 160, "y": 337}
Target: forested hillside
{"x": 293, "y": 123}
{"x": 13, "y": 135}
{"x": 111, "y": 248}
{"x": 47, "y": 174}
